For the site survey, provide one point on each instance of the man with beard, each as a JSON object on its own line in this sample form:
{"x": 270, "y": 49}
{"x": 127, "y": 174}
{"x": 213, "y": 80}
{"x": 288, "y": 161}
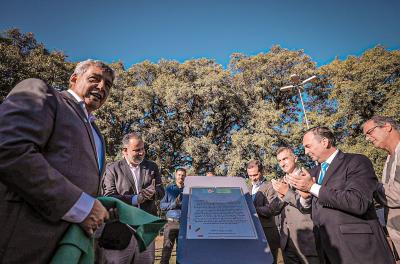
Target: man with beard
{"x": 51, "y": 162}
{"x": 297, "y": 236}
{"x": 136, "y": 181}
{"x": 171, "y": 204}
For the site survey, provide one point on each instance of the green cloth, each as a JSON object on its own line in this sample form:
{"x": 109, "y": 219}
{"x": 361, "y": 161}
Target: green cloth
{"x": 77, "y": 247}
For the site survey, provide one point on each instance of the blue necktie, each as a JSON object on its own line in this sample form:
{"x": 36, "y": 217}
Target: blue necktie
{"x": 98, "y": 144}
{"x": 324, "y": 168}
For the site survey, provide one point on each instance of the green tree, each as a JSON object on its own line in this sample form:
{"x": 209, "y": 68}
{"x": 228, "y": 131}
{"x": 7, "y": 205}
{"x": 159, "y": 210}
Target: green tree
{"x": 270, "y": 117}
{"x": 21, "y": 57}
{"x": 362, "y": 87}
{"x": 185, "y": 111}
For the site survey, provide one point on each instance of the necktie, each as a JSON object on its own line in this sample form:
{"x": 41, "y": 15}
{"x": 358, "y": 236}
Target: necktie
{"x": 324, "y": 168}
{"x": 98, "y": 144}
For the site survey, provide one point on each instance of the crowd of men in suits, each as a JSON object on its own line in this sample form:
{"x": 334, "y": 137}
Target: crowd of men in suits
{"x": 327, "y": 214}
{"x": 52, "y": 166}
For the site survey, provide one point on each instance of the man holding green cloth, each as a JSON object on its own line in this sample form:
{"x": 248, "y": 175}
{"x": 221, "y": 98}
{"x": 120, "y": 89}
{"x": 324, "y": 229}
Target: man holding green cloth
{"x": 76, "y": 247}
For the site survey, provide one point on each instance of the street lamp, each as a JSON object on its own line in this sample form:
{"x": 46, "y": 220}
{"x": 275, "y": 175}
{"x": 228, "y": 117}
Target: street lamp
{"x": 295, "y": 79}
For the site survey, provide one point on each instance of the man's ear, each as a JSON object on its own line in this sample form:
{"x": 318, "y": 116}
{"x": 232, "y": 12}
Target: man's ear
{"x": 295, "y": 158}
{"x": 326, "y": 143}
{"x": 73, "y": 79}
{"x": 387, "y": 127}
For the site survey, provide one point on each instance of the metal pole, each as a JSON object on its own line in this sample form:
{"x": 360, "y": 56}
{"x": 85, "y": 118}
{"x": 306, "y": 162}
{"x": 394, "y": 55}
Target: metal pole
{"x": 302, "y": 104}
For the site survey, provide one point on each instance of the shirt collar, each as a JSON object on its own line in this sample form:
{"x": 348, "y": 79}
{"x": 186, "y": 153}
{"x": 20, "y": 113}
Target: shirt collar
{"x": 132, "y": 166}
{"x": 82, "y": 104}
{"x": 331, "y": 157}
{"x": 77, "y": 97}
{"x": 258, "y": 183}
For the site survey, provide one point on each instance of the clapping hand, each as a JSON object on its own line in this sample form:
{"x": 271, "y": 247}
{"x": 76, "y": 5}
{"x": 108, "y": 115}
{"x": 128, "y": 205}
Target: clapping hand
{"x": 301, "y": 181}
{"x": 280, "y": 187}
{"x": 178, "y": 200}
{"x": 148, "y": 193}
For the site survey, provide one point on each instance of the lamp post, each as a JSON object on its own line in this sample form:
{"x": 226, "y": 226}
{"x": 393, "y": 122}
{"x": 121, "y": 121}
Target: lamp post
{"x": 295, "y": 79}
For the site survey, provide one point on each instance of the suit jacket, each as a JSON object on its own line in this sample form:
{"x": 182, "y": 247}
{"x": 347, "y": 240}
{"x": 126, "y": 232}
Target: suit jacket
{"x": 268, "y": 205}
{"x": 346, "y": 224}
{"x": 118, "y": 182}
{"x": 47, "y": 158}
{"x": 296, "y": 223}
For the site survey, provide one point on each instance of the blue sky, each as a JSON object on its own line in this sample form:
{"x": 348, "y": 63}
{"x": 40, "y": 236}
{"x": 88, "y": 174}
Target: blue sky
{"x": 136, "y": 30}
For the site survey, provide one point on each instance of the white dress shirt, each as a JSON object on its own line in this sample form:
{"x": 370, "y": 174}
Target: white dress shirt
{"x": 315, "y": 187}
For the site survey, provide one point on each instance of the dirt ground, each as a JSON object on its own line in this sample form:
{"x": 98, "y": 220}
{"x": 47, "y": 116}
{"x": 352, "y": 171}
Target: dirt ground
{"x": 159, "y": 245}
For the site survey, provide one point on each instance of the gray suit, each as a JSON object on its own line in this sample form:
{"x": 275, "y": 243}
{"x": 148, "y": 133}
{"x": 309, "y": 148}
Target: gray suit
{"x": 118, "y": 182}
{"x": 388, "y": 194}
{"x": 47, "y": 158}
{"x": 297, "y": 236}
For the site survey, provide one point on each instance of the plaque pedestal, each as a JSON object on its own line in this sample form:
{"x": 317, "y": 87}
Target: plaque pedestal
{"x": 219, "y": 224}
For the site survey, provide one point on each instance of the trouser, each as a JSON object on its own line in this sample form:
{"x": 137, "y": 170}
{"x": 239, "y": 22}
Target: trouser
{"x": 292, "y": 256}
{"x": 129, "y": 255}
{"x": 171, "y": 232}
{"x": 273, "y": 238}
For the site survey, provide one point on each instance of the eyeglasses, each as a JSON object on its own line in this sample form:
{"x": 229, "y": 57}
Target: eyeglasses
{"x": 369, "y": 132}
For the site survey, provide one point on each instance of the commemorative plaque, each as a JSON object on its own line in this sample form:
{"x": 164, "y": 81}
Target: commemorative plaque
{"x": 219, "y": 213}
{"x": 219, "y": 224}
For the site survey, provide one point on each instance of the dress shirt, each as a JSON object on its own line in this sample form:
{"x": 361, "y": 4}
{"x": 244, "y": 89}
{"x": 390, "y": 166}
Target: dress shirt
{"x": 97, "y": 139}
{"x": 136, "y": 177}
{"x": 315, "y": 187}
{"x": 82, "y": 207}
{"x": 254, "y": 189}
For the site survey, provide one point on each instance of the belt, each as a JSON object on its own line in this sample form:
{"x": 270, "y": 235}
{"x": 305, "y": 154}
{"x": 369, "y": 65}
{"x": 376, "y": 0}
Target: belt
{"x": 173, "y": 219}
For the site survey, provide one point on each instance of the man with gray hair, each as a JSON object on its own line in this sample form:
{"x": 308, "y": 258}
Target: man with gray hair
{"x": 384, "y": 133}
{"x": 136, "y": 181}
{"x": 51, "y": 162}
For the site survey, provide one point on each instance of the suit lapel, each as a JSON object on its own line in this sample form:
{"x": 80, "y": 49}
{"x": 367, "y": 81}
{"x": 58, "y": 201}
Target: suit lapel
{"x": 143, "y": 174}
{"x": 127, "y": 171}
{"x": 332, "y": 167}
{"x": 78, "y": 109}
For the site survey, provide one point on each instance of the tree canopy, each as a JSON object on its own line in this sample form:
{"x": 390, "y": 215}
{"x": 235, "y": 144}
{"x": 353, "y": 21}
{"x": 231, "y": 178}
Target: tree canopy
{"x": 199, "y": 115}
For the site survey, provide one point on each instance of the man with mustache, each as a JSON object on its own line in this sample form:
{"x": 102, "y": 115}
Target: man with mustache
{"x": 136, "y": 181}
{"x": 51, "y": 162}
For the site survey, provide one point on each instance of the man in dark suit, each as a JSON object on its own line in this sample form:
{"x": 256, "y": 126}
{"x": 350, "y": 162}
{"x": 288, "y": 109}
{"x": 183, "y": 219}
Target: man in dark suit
{"x": 137, "y": 182}
{"x": 266, "y": 203}
{"x": 297, "y": 236}
{"x": 343, "y": 212}
{"x": 51, "y": 160}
